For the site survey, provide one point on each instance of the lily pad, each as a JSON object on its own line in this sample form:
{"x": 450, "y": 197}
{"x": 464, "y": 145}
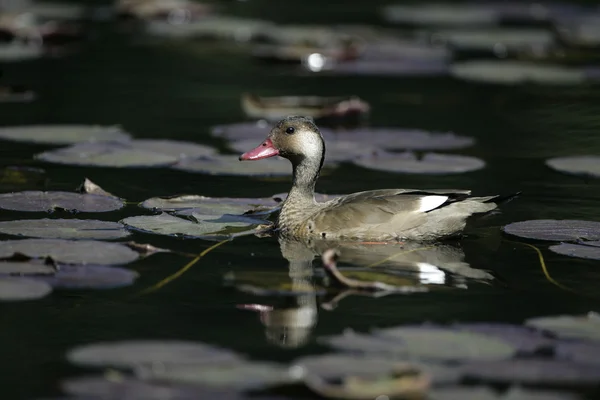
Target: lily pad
{"x": 436, "y": 343}
{"x": 430, "y": 163}
{"x": 580, "y": 352}
{"x": 231, "y": 165}
{"x": 25, "y": 268}
{"x": 577, "y": 250}
{"x": 89, "y": 277}
{"x": 14, "y": 51}
{"x": 399, "y": 139}
{"x": 533, "y": 371}
{"x": 577, "y": 165}
{"x": 526, "y": 340}
{"x": 499, "y": 40}
{"x": 173, "y": 148}
{"x": 132, "y": 354}
{"x": 570, "y": 326}
{"x": 441, "y": 14}
{"x": 516, "y": 72}
{"x": 129, "y": 154}
{"x": 406, "y": 67}
{"x": 63, "y": 134}
{"x": 555, "y": 230}
{"x": 21, "y": 289}
{"x": 241, "y": 375}
{"x": 485, "y": 393}
{"x": 50, "y": 201}
{"x": 206, "y": 225}
{"x": 64, "y": 229}
{"x": 211, "y": 205}
{"x": 69, "y": 251}
{"x": 243, "y": 130}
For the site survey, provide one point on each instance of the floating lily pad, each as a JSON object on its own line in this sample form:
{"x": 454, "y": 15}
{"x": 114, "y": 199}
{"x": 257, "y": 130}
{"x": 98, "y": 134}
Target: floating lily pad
{"x": 524, "y": 339}
{"x": 63, "y": 134}
{"x": 570, "y": 326}
{"x": 21, "y": 289}
{"x": 441, "y": 14}
{"x": 206, "y": 225}
{"x": 399, "y": 139}
{"x": 211, "y": 205}
{"x": 405, "y": 67}
{"x": 89, "y": 277}
{"x": 244, "y": 130}
{"x": 577, "y": 250}
{"x": 581, "y": 352}
{"x": 577, "y": 165}
{"x": 175, "y": 148}
{"x": 25, "y": 268}
{"x": 69, "y": 251}
{"x": 499, "y": 40}
{"x": 516, "y": 72}
{"x": 555, "y": 230}
{"x": 64, "y": 229}
{"x": 430, "y": 163}
{"x": 13, "y": 177}
{"x": 50, "y": 201}
{"x": 15, "y": 51}
{"x": 485, "y": 393}
{"x": 231, "y": 165}
{"x": 241, "y": 375}
{"x": 109, "y": 154}
{"x": 435, "y": 343}
{"x": 534, "y": 372}
{"x": 148, "y": 353}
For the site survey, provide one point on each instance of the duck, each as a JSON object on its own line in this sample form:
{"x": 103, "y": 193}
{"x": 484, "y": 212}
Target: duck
{"x": 377, "y": 216}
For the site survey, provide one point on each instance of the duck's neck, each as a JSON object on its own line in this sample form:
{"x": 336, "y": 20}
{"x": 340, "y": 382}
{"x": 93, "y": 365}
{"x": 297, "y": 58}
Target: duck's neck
{"x": 301, "y": 197}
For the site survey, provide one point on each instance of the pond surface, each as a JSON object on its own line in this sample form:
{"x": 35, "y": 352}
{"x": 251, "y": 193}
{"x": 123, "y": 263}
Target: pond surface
{"x": 160, "y": 89}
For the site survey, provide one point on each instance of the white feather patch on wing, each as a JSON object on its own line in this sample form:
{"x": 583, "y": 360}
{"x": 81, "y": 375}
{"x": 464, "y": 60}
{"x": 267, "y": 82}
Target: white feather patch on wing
{"x": 429, "y": 203}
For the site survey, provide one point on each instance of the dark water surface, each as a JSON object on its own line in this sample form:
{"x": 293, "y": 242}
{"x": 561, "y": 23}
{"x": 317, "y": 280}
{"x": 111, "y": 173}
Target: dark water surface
{"x": 177, "y": 91}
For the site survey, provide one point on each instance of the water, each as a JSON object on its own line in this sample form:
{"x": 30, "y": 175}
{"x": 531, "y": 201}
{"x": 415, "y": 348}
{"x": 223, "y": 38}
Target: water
{"x": 164, "y": 90}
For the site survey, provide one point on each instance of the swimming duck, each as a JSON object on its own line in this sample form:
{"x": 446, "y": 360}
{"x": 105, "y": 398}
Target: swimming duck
{"x": 373, "y": 216}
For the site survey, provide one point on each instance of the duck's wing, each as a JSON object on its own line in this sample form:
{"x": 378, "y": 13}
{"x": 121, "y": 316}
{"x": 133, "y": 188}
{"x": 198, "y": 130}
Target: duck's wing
{"x": 391, "y": 212}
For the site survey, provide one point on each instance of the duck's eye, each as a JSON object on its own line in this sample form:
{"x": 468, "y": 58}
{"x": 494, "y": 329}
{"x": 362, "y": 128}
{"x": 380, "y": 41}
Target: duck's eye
{"x": 290, "y": 130}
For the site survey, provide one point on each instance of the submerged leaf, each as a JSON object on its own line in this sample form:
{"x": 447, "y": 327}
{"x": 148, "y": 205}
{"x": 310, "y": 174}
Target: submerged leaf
{"x": 19, "y": 177}
{"x": 25, "y": 268}
{"x": 430, "y": 163}
{"x": 578, "y": 165}
{"x": 64, "y": 229}
{"x": 69, "y": 251}
{"x": 89, "y": 277}
{"x": 148, "y": 353}
{"x": 437, "y": 343}
{"x": 206, "y": 225}
{"x": 555, "y": 230}
{"x": 583, "y": 250}
{"x": 569, "y": 326}
{"x": 63, "y": 134}
{"x": 50, "y": 201}
{"x": 231, "y": 165}
{"x": 20, "y": 289}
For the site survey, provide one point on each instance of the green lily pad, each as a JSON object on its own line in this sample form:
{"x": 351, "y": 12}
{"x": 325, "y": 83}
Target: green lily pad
{"x": 496, "y": 39}
{"x": 63, "y": 134}
{"x": 516, "y": 72}
{"x": 212, "y": 205}
{"x": 432, "y": 14}
{"x": 21, "y": 289}
{"x": 583, "y": 250}
{"x": 231, "y": 165}
{"x": 585, "y": 352}
{"x": 205, "y": 225}
{"x": 555, "y": 230}
{"x": 241, "y": 375}
{"x": 532, "y": 371}
{"x": 485, "y": 393}
{"x": 50, "y": 201}
{"x": 70, "y": 251}
{"x": 436, "y": 343}
{"x": 577, "y": 165}
{"x": 25, "y": 268}
{"x": 111, "y": 154}
{"x": 430, "y": 163}
{"x": 569, "y": 326}
{"x": 175, "y": 148}
{"x": 64, "y": 229}
{"x": 132, "y": 354}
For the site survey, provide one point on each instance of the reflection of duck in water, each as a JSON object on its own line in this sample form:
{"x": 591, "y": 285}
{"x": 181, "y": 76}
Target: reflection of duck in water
{"x": 419, "y": 267}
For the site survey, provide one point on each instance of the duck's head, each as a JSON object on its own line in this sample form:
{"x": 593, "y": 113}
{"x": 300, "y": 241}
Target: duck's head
{"x": 294, "y": 138}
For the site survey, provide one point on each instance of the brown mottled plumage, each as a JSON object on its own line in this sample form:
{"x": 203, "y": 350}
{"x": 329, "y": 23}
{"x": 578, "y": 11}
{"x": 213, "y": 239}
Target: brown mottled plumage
{"x": 375, "y": 215}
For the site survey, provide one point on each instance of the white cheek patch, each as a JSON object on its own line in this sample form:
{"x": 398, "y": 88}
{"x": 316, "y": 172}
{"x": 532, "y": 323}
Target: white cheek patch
{"x": 429, "y": 203}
